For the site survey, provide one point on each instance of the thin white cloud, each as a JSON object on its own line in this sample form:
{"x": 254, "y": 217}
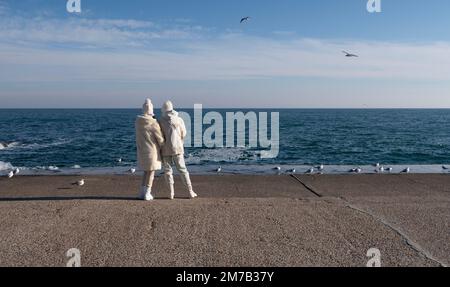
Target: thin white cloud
{"x": 141, "y": 51}
{"x": 101, "y": 33}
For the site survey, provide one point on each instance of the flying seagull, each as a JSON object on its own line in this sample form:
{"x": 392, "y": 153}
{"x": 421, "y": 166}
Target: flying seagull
{"x": 245, "y": 19}
{"x": 349, "y": 54}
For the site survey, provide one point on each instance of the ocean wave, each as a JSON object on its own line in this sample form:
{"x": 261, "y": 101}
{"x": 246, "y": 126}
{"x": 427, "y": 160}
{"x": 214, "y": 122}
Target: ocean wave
{"x": 5, "y": 166}
{"x": 226, "y": 155}
{"x": 32, "y": 146}
{"x": 5, "y": 145}
{"x": 50, "y": 168}
{"x": 35, "y": 146}
{"x": 245, "y": 169}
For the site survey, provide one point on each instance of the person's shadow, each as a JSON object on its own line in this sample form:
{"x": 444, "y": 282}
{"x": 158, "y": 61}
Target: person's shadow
{"x": 67, "y": 198}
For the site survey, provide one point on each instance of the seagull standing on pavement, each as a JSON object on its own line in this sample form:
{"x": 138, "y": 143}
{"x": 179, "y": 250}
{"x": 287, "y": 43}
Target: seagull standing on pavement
{"x": 79, "y": 183}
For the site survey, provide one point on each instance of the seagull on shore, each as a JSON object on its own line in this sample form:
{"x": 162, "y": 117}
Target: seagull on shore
{"x": 349, "y": 54}
{"x": 444, "y": 167}
{"x": 79, "y": 183}
{"x": 377, "y": 164}
{"x": 356, "y": 170}
{"x": 16, "y": 171}
{"x": 382, "y": 169}
{"x": 406, "y": 170}
{"x": 219, "y": 169}
{"x": 277, "y": 168}
{"x": 321, "y": 167}
{"x": 119, "y": 160}
{"x": 389, "y": 169}
{"x": 291, "y": 170}
{"x": 245, "y": 19}
{"x": 132, "y": 170}
{"x": 10, "y": 174}
{"x": 311, "y": 170}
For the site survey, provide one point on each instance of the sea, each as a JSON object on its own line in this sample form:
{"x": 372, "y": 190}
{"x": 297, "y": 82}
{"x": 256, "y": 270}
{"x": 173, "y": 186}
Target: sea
{"x": 91, "y": 141}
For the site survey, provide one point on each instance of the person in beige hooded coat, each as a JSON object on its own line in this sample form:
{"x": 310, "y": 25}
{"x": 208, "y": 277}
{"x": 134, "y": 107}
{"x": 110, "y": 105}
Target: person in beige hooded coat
{"x": 174, "y": 132}
{"x": 149, "y": 140}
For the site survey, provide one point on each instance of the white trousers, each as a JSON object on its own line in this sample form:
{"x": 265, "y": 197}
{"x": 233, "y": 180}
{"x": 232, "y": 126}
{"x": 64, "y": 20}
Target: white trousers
{"x": 147, "y": 179}
{"x": 178, "y": 161}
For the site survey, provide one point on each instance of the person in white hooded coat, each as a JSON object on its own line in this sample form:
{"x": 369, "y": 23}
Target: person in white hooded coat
{"x": 149, "y": 140}
{"x": 174, "y": 132}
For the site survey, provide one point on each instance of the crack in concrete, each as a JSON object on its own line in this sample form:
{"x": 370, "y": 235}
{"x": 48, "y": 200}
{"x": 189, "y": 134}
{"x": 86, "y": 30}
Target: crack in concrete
{"x": 306, "y": 186}
{"x": 415, "y": 246}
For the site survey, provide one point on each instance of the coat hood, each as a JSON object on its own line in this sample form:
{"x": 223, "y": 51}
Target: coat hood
{"x": 147, "y": 108}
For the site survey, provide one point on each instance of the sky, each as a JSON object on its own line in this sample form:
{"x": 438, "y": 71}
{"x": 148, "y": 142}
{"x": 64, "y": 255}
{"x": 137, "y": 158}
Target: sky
{"x": 114, "y": 54}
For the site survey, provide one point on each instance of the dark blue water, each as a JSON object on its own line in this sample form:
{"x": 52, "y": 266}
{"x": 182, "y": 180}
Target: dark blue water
{"x": 96, "y": 138}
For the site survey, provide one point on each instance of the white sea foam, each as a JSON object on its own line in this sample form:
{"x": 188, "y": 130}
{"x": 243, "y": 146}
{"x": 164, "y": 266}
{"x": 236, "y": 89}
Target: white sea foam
{"x": 221, "y": 155}
{"x": 45, "y": 168}
{"x": 6, "y": 146}
{"x": 5, "y": 166}
{"x": 46, "y": 145}
{"x": 228, "y": 168}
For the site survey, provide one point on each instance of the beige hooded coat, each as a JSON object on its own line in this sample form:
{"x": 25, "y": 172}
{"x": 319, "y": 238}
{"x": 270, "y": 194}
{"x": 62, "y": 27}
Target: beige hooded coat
{"x": 174, "y": 132}
{"x": 149, "y": 140}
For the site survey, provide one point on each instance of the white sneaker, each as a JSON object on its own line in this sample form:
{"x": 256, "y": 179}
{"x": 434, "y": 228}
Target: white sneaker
{"x": 148, "y": 194}
{"x": 193, "y": 194}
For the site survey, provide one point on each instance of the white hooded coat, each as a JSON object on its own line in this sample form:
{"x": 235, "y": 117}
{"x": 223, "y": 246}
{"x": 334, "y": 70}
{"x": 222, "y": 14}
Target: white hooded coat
{"x": 174, "y": 132}
{"x": 149, "y": 140}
